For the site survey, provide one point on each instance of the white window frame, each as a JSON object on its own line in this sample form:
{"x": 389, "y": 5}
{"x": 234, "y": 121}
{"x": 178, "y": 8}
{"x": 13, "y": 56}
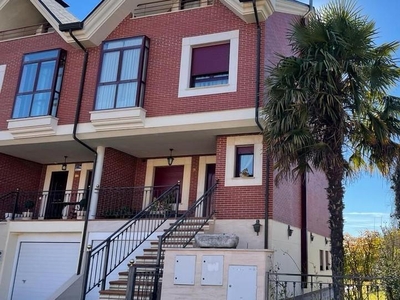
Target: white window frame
{"x": 230, "y": 162}
{"x": 2, "y": 73}
{"x": 186, "y": 62}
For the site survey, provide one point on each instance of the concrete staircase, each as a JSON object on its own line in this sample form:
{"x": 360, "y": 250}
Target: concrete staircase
{"x": 177, "y": 239}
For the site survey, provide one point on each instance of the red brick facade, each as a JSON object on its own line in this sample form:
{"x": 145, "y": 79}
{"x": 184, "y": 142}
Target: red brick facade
{"x": 19, "y": 173}
{"x": 119, "y": 169}
{"x": 236, "y": 202}
{"x": 166, "y": 32}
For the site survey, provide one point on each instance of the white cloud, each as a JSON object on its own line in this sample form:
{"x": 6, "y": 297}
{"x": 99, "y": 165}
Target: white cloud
{"x": 357, "y": 222}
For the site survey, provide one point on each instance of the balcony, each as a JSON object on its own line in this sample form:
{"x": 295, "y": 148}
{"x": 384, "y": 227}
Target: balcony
{"x": 113, "y": 203}
{"x": 164, "y": 6}
{"x": 25, "y": 31}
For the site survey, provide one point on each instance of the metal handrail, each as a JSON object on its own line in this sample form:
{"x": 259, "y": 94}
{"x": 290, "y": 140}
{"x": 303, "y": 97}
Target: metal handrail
{"x": 109, "y": 254}
{"x": 3, "y": 198}
{"x": 204, "y": 208}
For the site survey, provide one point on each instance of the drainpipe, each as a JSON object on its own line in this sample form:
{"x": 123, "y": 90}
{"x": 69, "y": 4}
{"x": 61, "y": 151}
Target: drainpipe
{"x": 258, "y": 67}
{"x": 70, "y": 27}
{"x": 256, "y": 118}
{"x": 310, "y": 9}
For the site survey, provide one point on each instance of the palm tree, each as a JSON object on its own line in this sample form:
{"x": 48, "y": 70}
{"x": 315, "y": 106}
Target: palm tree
{"x": 327, "y": 109}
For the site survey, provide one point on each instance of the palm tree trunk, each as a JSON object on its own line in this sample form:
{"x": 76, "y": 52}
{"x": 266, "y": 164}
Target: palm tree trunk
{"x": 335, "y": 193}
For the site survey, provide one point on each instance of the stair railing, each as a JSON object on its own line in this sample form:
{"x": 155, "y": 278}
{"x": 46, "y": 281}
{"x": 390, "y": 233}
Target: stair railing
{"x": 204, "y": 209}
{"x": 109, "y": 254}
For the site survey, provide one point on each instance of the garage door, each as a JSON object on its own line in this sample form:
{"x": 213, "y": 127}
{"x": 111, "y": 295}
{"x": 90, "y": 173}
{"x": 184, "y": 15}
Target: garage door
{"x": 42, "y": 268}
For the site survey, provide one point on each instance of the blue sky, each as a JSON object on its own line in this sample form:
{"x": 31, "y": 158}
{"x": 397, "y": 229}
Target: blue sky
{"x": 368, "y": 198}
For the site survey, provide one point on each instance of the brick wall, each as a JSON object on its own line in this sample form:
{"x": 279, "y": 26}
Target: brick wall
{"x": 119, "y": 169}
{"x": 317, "y": 203}
{"x": 236, "y": 202}
{"x": 19, "y": 173}
{"x": 163, "y": 68}
{"x": 287, "y": 202}
{"x": 116, "y": 189}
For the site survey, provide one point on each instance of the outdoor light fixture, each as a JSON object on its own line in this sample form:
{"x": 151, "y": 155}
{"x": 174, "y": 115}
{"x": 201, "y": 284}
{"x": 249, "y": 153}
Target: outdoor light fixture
{"x": 311, "y": 236}
{"x": 257, "y": 226}
{"x": 326, "y": 241}
{"x": 289, "y": 231}
{"x": 64, "y": 165}
{"x": 170, "y": 158}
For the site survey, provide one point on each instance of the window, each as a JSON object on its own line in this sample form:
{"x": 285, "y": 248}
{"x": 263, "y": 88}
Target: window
{"x": 122, "y": 78}
{"x": 327, "y": 260}
{"x": 2, "y": 73}
{"x": 40, "y": 84}
{"x": 244, "y": 161}
{"x": 321, "y": 260}
{"x": 209, "y": 64}
{"x": 186, "y": 4}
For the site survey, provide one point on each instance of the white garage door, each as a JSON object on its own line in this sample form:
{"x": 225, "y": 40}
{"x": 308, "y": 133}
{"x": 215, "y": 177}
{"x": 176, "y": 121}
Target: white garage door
{"x": 42, "y": 268}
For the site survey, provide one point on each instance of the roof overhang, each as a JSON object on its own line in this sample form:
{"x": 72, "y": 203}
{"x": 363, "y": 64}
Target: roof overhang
{"x": 244, "y": 8}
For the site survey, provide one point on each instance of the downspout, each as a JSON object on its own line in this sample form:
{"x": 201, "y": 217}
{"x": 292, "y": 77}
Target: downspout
{"x": 70, "y": 27}
{"x": 303, "y": 200}
{"x": 76, "y": 121}
{"x": 256, "y": 118}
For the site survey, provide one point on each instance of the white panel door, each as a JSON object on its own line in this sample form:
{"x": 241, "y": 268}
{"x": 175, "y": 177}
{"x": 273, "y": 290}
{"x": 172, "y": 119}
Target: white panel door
{"x": 242, "y": 283}
{"x": 42, "y": 268}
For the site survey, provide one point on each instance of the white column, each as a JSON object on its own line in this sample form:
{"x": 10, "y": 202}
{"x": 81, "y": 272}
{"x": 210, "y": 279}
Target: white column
{"x": 96, "y": 181}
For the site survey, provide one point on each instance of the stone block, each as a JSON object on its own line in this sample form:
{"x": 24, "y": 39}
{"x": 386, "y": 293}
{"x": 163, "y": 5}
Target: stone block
{"x": 216, "y": 240}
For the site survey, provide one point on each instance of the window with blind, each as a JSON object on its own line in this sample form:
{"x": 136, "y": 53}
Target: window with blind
{"x": 210, "y": 65}
{"x": 122, "y": 79}
{"x": 39, "y": 84}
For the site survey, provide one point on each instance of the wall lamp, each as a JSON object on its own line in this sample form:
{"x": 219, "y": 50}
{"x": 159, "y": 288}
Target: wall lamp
{"x": 257, "y": 227}
{"x": 170, "y": 158}
{"x": 64, "y": 165}
{"x": 289, "y": 231}
{"x": 311, "y": 236}
{"x": 326, "y": 241}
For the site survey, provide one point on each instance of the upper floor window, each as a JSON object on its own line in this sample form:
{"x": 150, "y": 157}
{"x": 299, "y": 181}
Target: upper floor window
{"x": 40, "y": 84}
{"x": 210, "y": 65}
{"x": 122, "y": 77}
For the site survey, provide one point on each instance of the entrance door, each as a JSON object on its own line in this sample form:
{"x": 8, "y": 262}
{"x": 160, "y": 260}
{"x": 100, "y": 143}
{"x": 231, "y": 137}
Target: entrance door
{"x": 165, "y": 177}
{"x": 210, "y": 181}
{"x": 58, "y": 183}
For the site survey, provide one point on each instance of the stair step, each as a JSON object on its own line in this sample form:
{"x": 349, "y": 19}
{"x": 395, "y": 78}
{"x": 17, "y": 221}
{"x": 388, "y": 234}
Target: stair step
{"x": 112, "y": 294}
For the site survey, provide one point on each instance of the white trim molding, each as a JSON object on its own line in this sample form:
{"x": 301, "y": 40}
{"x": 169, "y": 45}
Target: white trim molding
{"x": 201, "y": 181}
{"x": 186, "y": 61}
{"x": 231, "y": 144}
{"x": 33, "y": 127}
{"x": 118, "y": 119}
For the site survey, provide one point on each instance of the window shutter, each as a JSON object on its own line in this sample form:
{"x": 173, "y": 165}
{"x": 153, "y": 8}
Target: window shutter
{"x": 210, "y": 60}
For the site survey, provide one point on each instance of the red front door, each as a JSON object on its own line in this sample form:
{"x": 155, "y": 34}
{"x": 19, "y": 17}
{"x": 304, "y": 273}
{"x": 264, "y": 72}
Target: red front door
{"x": 168, "y": 176}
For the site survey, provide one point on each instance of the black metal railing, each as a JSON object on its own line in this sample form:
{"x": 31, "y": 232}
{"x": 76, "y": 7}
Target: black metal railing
{"x": 24, "y": 31}
{"x": 125, "y": 202}
{"x": 142, "y": 278}
{"x": 8, "y": 209}
{"x": 108, "y": 255}
{"x": 42, "y": 204}
{"x": 184, "y": 229}
{"x": 320, "y": 287}
{"x": 164, "y": 6}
